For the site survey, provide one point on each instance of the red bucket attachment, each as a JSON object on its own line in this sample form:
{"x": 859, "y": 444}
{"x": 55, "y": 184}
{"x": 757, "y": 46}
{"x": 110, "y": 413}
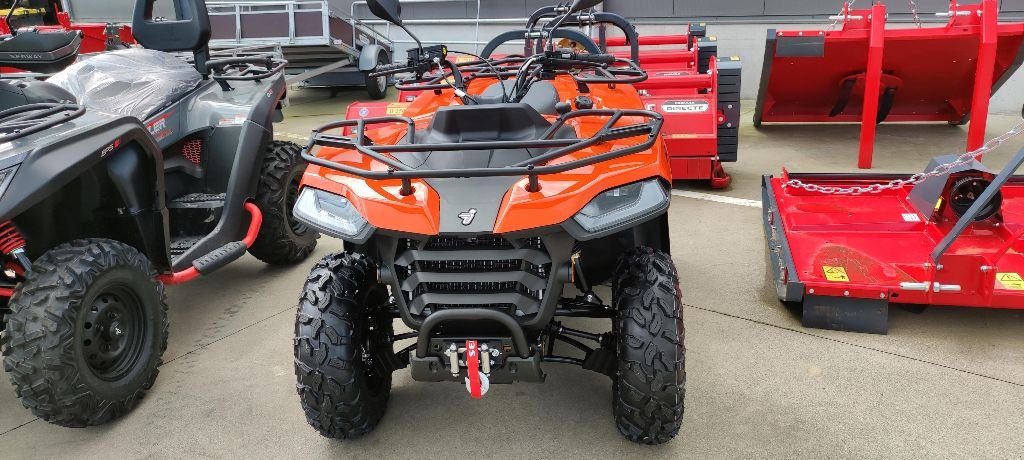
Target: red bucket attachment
{"x": 867, "y": 74}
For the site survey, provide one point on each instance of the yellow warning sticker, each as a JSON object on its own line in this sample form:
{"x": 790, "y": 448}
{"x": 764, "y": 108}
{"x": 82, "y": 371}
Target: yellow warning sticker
{"x": 461, "y": 59}
{"x": 836, "y": 274}
{"x": 1011, "y": 281}
{"x": 397, "y": 108}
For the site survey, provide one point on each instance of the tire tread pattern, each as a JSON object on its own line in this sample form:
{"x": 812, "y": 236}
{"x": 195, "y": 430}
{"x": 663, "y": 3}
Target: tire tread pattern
{"x": 38, "y": 344}
{"x": 331, "y": 381}
{"x": 650, "y": 384}
{"x": 276, "y": 243}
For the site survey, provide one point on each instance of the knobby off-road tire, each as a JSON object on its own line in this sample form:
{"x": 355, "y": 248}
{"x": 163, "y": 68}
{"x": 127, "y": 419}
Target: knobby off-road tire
{"x": 86, "y": 332}
{"x": 342, "y": 394}
{"x": 650, "y": 383}
{"x": 282, "y": 240}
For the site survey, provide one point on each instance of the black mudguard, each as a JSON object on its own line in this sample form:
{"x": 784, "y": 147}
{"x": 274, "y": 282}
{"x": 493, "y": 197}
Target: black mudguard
{"x": 120, "y": 145}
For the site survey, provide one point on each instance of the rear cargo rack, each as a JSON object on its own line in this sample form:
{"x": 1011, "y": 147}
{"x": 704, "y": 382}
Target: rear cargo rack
{"x": 29, "y": 119}
{"x": 531, "y": 168}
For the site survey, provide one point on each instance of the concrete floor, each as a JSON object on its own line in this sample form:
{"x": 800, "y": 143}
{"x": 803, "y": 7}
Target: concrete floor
{"x": 948, "y": 383}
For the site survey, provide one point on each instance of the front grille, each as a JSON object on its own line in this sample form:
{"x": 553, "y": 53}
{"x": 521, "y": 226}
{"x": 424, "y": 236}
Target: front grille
{"x": 473, "y": 272}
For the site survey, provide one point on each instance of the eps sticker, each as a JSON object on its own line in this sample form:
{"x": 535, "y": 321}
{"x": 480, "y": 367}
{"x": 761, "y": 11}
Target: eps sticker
{"x": 397, "y": 108}
{"x": 685, "y": 107}
{"x": 836, "y": 274}
{"x": 1011, "y": 281}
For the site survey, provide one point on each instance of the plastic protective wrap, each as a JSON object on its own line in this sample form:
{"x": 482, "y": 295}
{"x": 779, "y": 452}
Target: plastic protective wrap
{"x": 135, "y": 82}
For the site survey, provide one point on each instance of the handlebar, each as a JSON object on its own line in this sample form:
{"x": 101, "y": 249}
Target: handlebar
{"x": 603, "y": 59}
{"x": 390, "y": 69}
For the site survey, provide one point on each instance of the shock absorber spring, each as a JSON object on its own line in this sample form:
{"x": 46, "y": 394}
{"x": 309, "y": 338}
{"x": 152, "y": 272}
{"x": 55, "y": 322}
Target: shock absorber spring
{"x": 13, "y": 244}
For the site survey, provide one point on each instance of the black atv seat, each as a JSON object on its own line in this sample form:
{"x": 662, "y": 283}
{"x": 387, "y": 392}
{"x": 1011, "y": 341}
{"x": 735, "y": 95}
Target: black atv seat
{"x": 36, "y": 51}
{"x": 481, "y": 123}
{"x": 542, "y": 96}
{"x": 134, "y": 82}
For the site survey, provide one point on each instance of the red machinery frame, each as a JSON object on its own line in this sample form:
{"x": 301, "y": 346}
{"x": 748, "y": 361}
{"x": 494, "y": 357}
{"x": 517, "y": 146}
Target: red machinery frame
{"x": 847, "y": 257}
{"x": 932, "y": 74}
{"x": 696, "y": 92}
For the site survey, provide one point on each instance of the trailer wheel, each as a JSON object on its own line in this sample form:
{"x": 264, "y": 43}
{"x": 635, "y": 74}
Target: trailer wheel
{"x": 86, "y": 333}
{"x": 650, "y": 382}
{"x": 282, "y": 239}
{"x": 377, "y": 87}
{"x": 338, "y": 326}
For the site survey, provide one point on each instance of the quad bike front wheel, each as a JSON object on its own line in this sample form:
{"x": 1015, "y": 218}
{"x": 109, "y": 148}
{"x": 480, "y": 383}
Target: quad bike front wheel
{"x": 282, "y": 239}
{"x": 86, "y": 332}
{"x": 650, "y": 382}
{"x": 339, "y": 327}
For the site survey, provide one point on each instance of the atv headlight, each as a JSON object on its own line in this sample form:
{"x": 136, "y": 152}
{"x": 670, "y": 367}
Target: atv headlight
{"x": 623, "y": 205}
{"x": 6, "y": 176}
{"x": 331, "y": 214}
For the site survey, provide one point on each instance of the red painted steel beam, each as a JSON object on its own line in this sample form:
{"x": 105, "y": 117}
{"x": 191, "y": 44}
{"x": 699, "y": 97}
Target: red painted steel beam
{"x": 984, "y": 74}
{"x": 872, "y": 85}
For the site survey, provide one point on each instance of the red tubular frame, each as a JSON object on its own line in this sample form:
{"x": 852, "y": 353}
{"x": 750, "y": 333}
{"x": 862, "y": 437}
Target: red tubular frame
{"x": 977, "y": 21}
{"x": 984, "y": 74}
{"x": 873, "y": 84}
{"x": 191, "y": 273}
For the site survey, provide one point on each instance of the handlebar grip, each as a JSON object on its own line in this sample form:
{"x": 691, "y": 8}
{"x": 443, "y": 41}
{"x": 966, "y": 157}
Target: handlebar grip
{"x": 597, "y": 58}
{"x": 389, "y": 69}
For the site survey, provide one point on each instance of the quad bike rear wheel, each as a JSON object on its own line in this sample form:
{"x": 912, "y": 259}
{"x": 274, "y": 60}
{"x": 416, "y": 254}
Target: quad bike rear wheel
{"x": 86, "y": 332}
{"x": 650, "y": 382}
{"x": 339, "y": 326}
{"x": 282, "y": 239}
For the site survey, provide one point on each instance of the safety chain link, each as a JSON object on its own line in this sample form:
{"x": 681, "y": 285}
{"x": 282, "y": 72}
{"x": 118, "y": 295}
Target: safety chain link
{"x": 916, "y": 178}
{"x": 843, "y": 11}
{"x": 913, "y": 10}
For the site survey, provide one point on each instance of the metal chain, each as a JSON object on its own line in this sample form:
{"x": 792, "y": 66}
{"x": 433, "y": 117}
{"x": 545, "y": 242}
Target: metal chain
{"x": 913, "y": 10}
{"x": 916, "y": 178}
{"x": 839, "y": 17}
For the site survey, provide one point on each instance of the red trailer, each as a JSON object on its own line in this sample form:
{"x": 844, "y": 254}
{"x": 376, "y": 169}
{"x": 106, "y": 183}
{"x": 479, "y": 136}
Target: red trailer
{"x": 864, "y": 73}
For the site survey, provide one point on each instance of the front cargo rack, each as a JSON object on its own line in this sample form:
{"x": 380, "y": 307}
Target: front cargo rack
{"x": 532, "y": 168}
{"x": 22, "y": 121}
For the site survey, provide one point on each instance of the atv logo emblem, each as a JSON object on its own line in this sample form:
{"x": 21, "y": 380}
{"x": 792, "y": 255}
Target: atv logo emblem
{"x": 468, "y": 216}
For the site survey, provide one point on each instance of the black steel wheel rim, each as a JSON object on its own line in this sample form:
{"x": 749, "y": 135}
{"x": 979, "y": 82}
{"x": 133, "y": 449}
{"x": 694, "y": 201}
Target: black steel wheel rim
{"x": 114, "y": 332}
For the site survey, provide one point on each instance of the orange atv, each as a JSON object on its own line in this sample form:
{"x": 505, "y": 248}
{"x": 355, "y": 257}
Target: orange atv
{"x": 506, "y": 186}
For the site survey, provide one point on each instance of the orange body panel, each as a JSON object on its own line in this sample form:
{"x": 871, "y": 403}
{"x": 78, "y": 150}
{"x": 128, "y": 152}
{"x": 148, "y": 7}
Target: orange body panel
{"x": 560, "y": 197}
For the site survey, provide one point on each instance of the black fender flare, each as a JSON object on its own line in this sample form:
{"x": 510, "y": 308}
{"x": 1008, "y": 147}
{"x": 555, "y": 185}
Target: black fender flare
{"x": 134, "y": 165}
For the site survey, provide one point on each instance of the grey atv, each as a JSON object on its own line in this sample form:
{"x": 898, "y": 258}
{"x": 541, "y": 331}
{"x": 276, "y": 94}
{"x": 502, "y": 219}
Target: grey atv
{"x": 122, "y": 173}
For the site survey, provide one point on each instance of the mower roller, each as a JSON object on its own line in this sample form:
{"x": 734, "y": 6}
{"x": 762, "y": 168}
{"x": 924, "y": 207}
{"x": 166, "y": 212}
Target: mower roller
{"x": 867, "y": 74}
{"x": 696, "y": 92}
{"x": 846, "y": 246}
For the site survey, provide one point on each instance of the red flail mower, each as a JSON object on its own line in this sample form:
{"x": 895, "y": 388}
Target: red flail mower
{"x": 864, "y": 73}
{"x": 697, "y": 92}
{"x": 846, "y": 246}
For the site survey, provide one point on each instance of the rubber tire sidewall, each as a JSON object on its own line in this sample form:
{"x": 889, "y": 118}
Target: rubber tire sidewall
{"x": 656, "y": 269}
{"x": 372, "y": 83}
{"x": 149, "y": 301}
{"x": 277, "y": 243}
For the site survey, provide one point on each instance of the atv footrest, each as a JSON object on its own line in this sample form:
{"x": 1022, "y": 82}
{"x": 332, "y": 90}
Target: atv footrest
{"x": 220, "y": 257}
